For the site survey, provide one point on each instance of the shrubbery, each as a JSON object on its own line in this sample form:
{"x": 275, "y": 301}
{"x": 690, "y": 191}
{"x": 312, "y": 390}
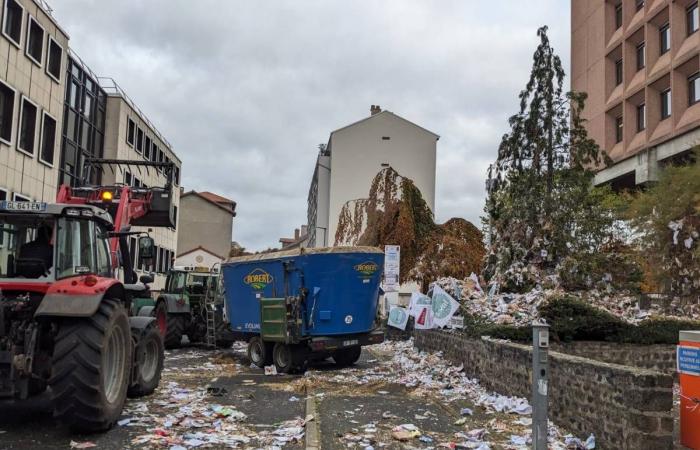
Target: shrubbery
{"x": 571, "y": 319}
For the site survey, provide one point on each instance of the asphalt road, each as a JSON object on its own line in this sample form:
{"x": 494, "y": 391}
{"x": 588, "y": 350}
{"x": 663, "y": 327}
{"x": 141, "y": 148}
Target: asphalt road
{"x": 205, "y": 394}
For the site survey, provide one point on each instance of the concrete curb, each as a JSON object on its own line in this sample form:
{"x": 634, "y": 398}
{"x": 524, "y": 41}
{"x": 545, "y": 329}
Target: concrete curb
{"x": 313, "y": 429}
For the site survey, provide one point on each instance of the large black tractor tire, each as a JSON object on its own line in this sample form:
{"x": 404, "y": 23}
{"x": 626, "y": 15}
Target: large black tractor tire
{"x": 174, "y": 331}
{"x": 149, "y": 361}
{"x": 347, "y": 356}
{"x": 260, "y": 352}
{"x": 90, "y": 368}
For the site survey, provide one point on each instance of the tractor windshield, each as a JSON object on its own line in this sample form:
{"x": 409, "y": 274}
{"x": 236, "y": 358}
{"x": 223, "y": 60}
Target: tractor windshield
{"x": 81, "y": 248}
{"x": 26, "y": 246}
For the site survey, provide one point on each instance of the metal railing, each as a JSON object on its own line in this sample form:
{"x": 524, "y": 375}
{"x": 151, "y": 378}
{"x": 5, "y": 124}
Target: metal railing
{"x": 114, "y": 90}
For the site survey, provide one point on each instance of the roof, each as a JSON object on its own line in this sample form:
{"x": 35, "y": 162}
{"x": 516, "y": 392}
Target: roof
{"x": 227, "y": 205}
{"x": 216, "y": 197}
{"x": 303, "y": 251}
{"x": 385, "y": 112}
{"x": 196, "y": 249}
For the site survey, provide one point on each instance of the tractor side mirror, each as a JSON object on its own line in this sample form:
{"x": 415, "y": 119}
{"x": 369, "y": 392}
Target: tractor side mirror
{"x": 146, "y": 246}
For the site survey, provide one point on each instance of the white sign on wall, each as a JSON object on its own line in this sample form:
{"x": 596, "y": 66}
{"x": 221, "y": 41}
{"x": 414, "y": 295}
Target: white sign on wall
{"x": 392, "y": 261}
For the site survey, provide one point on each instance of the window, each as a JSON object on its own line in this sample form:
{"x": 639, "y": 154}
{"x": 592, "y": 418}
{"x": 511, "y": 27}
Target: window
{"x": 154, "y": 152}
{"x": 20, "y": 198}
{"x": 618, "y": 16}
{"x": 641, "y": 56}
{"x": 48, "y": 138}
{"x": 160, "y": 252}
{"x": 27, "y": 126}
{"x": 694, "y": 88}
{"x": 147, "y": 150}
{"x": 692, "y": 18}
{"x": 132, "y": 251}
{"x": 35, "y": 41}
{"x": 618, "y": 129}
{"x": 618, "y": 72}
{"x": 139, "y": 140}
{"x": 7, "y": 109}
{"x": 664, "y": 39}
{"x": 127, "y": 178}
{"x": 3, "y": 197}
{"x": 177, "y": 175}
{"x": 175, "y": 216}
{"x": 130, "y": 129}
{"x": 12, "y": 21}
{"x": 76, "y": 243}
{"x": 639, "y": 4}
{"x": 53, "y": 60}
{"x": 104, "y": 265}
{"x": 641, "y": 117}
{"x": 665, "y": 104}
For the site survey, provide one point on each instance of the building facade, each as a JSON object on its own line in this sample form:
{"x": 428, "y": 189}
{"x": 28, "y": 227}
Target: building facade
{"x": 33, "y": 50}
{"x": 354, "y": 155}
{"x": 129, "y": 135}
{"x": 83, "y": 132}
{"x": 205, "y": 228}
{"x": 639, "y": 63}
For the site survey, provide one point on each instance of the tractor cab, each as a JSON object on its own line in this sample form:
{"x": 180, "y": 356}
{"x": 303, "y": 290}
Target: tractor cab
{"x": 41, "y": 242}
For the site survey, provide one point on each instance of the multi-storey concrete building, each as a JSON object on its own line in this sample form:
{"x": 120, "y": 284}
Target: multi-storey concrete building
{"x": 354, "y": 155}
{"x": 33, "y": 51}
{"x": 129, "y": 135}
{"x": 639, "y": 62}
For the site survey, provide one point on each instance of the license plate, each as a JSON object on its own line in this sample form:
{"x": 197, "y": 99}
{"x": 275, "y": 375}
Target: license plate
{"x": 23, "y": 206}
{"x": 350, "y": 343}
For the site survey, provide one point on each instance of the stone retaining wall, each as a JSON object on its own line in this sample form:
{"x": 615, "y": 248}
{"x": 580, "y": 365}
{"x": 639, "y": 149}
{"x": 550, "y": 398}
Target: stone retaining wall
{"x": 625, "y": 407}
{"x": 659, "y": 357}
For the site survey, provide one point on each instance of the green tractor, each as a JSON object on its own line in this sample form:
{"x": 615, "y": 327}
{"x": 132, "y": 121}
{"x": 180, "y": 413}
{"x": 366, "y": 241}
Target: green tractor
{"x": 191, "y": 304}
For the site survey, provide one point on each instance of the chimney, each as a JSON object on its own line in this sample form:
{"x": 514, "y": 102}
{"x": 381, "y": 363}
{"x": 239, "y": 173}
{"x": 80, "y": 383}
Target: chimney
{"x": 375, "y": 109}
{"x": 296, "y": 233}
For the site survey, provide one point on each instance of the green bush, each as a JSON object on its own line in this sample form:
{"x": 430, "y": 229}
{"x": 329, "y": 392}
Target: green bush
{"x": 571, "y": 319}
{"x": 655, "y": 331}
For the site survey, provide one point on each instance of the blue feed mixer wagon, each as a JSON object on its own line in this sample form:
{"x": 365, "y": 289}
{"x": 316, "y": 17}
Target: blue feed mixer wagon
{"x": 304, "y": 304}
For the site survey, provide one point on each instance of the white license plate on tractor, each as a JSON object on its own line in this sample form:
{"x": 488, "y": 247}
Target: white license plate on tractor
{"x": 350, "y": 343}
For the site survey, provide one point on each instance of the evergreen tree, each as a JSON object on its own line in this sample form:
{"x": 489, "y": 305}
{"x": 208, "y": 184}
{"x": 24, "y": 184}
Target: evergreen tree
{"x": 541, "y": 180}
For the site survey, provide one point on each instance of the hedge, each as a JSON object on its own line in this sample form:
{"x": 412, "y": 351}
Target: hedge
{"x": 571, "y": 319}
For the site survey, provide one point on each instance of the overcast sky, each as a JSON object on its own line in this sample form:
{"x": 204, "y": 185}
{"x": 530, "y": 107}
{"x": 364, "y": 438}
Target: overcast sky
{"x": 246, "y": 90}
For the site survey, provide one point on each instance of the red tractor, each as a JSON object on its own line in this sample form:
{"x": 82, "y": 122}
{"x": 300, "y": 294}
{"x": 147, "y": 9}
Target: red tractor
{"x": 64, "y": 309}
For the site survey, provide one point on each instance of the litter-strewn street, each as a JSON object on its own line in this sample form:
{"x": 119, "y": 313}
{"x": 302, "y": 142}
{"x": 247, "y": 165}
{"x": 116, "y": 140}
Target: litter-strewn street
{"x": 393, "y": 398}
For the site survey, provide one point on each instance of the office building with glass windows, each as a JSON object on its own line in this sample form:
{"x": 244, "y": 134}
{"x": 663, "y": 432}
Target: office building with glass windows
{"x": 33, "y": 59}
{"x": 639, "y": 63}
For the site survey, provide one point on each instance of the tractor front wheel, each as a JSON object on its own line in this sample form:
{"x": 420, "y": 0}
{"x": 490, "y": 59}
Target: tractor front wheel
{"x": 90, "y": 368}
{"x": 161, "y": 315}
{"x": 149, "y": 362}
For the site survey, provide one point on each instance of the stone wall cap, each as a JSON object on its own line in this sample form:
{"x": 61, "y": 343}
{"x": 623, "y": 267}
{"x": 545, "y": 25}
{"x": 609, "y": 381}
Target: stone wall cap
{"x": 691, "y": 336}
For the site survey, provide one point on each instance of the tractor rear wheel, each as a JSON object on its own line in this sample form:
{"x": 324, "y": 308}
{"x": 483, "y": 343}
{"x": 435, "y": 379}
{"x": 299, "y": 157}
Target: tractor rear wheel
{"x": 347, "y": 356}
{"x": 174, "y": 330}
{"x": 149, "y": 360}
{"x": 90, "y": 368}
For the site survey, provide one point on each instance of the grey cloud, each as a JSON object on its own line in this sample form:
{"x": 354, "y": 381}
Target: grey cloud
{"x": 246, "y": 90}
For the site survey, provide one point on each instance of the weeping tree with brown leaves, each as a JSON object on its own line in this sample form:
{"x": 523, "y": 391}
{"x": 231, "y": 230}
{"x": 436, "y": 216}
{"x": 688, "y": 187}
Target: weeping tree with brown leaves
{"x": 396, "y": 213}
{"x": 540, "y": 197}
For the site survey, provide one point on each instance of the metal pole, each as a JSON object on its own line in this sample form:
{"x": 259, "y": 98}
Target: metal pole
{"x": 540, "y": 375}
